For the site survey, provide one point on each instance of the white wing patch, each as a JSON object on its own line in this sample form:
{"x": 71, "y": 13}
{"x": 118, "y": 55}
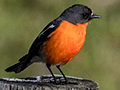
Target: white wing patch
{"x": 51, "y": 26}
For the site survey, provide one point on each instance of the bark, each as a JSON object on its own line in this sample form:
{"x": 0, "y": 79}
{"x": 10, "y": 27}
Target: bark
{"x": 45, "y": 82}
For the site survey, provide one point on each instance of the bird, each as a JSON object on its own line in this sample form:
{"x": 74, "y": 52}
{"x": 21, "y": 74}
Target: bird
{"x": 60, "y": 41}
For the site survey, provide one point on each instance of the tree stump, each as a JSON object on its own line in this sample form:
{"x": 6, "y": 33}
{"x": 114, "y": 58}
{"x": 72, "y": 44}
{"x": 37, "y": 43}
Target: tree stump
{"x": 44, "y": 83}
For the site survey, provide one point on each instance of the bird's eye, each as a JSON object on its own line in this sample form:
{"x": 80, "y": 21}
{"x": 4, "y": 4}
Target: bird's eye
{"x": 85, "y": 15}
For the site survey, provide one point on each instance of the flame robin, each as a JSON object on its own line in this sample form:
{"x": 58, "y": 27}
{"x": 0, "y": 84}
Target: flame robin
{"x": 59, "y": 41}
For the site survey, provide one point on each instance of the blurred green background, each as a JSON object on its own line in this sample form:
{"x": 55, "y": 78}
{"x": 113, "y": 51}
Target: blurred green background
{"x": 22, "y": 20}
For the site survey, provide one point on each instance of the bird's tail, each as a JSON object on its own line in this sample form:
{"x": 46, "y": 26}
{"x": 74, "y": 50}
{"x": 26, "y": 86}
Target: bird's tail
{"x": 23, "y": 63}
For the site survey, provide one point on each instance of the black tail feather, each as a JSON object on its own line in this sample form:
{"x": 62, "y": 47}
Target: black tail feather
{"x": 19, "y": 66}
{"x": 15, "y": 68}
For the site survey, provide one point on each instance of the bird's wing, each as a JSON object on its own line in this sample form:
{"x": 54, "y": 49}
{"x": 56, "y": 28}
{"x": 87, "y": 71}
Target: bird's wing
{"x": 43, "y": 36}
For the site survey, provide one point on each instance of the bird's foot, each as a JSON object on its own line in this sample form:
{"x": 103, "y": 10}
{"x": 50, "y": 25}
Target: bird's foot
{"x": 62, "y": 82}
{"x": 55, "y": 81}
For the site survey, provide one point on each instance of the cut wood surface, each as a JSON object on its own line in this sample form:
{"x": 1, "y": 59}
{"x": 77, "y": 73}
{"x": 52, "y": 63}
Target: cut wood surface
{"x": 45, "y": 82}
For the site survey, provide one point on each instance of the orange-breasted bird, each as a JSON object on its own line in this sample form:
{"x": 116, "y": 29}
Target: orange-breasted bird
{"x": 59, "y": 41}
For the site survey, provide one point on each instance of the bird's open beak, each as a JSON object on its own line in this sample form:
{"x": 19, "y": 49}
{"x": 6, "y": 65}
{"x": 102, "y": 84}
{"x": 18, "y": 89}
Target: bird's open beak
{"x": 95, "y": 16}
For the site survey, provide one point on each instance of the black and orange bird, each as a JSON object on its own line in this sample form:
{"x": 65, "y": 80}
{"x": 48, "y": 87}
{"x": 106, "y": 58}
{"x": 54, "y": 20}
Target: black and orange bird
{"x": 59, "y": 41}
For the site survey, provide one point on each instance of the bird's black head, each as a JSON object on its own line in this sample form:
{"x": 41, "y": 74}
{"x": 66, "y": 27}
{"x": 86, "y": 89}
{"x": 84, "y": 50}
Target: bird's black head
{"x": 78, "y": 14}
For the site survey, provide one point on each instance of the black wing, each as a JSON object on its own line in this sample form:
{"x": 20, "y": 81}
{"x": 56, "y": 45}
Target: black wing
{"x": 43, "y": 36}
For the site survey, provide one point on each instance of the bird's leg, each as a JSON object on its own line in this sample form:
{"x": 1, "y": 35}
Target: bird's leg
{"x": 66, "y": 81}
{"x": 62, "y": 74}
{"x": 48, "y": 66}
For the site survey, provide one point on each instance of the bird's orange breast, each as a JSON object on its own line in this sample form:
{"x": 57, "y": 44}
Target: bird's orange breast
{"x": 64, "y": 43}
